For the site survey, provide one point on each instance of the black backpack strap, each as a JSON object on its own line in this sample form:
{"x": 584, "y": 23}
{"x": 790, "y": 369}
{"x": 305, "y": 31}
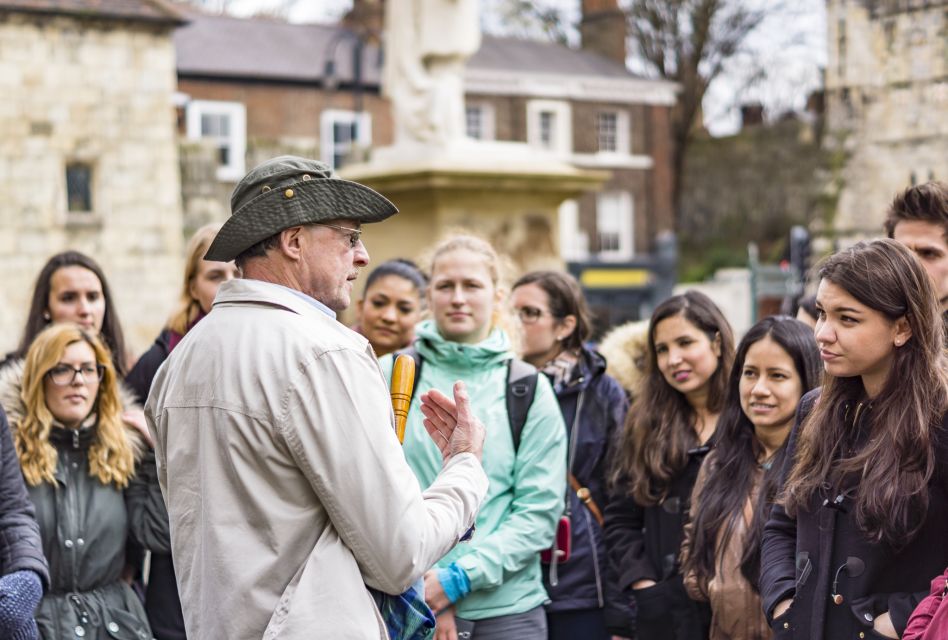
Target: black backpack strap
{"x": 522, "y": 380}
{"x": 410, "y": 350}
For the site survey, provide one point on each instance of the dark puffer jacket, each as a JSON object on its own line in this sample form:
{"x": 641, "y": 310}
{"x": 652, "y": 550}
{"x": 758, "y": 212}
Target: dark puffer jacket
{"x": 20, "y": 544}
{"x": 801, "y": 557}
{"x": 585, "y": 581}
{"x": 84, "y": 526}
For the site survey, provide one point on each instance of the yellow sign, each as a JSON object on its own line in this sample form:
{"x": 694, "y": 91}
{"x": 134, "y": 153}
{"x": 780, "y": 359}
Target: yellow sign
{"x": 614, "y": 278}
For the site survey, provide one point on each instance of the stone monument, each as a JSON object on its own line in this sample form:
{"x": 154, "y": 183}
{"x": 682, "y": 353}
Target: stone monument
{"x": 440, "y": 179}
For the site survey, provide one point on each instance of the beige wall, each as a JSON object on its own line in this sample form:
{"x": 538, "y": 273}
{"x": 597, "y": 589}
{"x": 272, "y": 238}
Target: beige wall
{"x": 101, "y": 93}
{"x": 887, "y": 100}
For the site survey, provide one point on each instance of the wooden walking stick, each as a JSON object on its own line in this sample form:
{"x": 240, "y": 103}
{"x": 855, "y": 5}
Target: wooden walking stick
{"x": 403, "y": 383}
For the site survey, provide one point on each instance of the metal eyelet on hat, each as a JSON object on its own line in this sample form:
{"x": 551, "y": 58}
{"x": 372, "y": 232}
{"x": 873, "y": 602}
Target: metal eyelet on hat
{"x": 306, "y": 177}
{"x": 288, "y": 193}
{"x": 265, "y": 188}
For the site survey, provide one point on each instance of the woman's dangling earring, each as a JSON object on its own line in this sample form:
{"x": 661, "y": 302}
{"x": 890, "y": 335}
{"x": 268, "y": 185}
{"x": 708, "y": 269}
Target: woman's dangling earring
{"x": 46, "y": 316}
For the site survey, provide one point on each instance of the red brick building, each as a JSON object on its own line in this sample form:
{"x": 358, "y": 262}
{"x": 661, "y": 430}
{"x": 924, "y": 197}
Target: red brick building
{"x": 251, "y": 88}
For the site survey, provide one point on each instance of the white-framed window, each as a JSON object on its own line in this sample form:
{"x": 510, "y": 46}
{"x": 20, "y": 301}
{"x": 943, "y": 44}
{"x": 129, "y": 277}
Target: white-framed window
{"x": 479, "y": 121}
{"x": 574, "y": 242}
{"x": 615, "y": 225}
{"x": 344, "y": 136}
{"x": 612, "y": 132}
{"x": 224, "y": 124}
{"x": 550, "y": 126}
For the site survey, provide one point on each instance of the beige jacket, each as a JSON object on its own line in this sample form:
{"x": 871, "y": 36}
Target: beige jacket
{"x": 286, "y": 487}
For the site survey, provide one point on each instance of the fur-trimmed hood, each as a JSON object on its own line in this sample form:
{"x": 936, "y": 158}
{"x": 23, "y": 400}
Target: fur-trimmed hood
{"x": 11, "y": 384}
{"x": 622, "y": 347}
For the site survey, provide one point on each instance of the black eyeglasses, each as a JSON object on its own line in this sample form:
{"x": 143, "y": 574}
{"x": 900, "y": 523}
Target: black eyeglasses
{"x": 355, "y": 235}
{"x": 529, "y": 315}
{"x": 63, "y": 375}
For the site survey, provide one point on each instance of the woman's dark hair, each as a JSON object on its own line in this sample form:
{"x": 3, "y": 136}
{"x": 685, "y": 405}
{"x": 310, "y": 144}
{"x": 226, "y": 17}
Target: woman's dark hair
{"x": 565, "y": 299}
{"x": 896, "y": 464}
{"x": 808, "y": 304}
{"x": 111, "y": 332}
{"x": 402, "y": 268}
{"x": 659, "y": 429}
{"x": 730, "y": 469}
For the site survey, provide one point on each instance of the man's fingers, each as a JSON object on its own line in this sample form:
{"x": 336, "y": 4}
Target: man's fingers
{"x": 438, "y": 414}
{"x": 439, "y": 438}
{"x": 462, "y": 401}
{"x": 436, "y": 398}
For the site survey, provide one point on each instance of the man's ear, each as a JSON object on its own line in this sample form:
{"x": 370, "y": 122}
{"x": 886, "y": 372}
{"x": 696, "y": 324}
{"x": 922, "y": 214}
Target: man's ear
{"x": 291, "y": 242}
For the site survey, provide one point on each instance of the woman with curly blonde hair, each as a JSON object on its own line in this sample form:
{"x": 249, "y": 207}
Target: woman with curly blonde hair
{"x": 79, "y": 461}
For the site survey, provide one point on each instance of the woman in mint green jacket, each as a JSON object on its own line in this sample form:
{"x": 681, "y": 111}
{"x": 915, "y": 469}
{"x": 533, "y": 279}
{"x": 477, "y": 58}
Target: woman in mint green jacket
{"x": 492, "y": 585}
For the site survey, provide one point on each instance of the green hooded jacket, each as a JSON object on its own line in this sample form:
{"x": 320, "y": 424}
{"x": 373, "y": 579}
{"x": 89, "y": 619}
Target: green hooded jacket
{"x": 527, "y": 490}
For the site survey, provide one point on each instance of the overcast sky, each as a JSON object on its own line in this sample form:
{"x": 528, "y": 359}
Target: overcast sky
{"x": 791, "y": 46}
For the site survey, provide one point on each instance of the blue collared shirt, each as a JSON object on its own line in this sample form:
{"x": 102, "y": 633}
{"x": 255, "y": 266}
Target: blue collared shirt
{"x": 309, "y": 299}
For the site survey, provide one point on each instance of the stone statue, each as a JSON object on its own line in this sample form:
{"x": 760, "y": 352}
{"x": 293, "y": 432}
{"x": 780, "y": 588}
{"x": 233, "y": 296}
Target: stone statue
{"x": 426, "y": 45}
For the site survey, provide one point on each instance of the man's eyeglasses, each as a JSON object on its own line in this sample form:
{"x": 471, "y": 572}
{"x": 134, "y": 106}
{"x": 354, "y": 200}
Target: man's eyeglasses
{"x": 355, "y": 235}
{"x": 63, "y": 375}
{"x": 529, "y": 315}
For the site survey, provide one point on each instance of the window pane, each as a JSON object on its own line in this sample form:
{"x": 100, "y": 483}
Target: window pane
{"x": 547, "y": 121}
{"x": 79, "y": 187}
{"x": 607, "y": 131}
{"x": 223, "y": 155}
{"x": 475, "y": 125}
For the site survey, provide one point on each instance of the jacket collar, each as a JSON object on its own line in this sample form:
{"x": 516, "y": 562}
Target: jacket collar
{"x": 247, "y": 291}
{"x": 590, "y": 366}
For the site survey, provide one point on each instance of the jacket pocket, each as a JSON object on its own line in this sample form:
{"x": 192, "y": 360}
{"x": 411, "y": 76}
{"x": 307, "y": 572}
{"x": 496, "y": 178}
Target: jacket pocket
{"x": 655, "y": 602}
{"x": 804, "y": 567}
{"x": 782, "y": 625}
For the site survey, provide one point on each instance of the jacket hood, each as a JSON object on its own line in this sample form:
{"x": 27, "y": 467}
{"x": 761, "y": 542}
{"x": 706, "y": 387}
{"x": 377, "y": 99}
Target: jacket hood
{"x": 11, "y": 384}
{"x": 591, "y": 365}
{"x": 622, "y": 347}
{"x": 451, "y": 355}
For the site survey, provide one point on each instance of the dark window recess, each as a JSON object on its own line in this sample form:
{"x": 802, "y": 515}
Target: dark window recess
{"x": 79, "y": 187}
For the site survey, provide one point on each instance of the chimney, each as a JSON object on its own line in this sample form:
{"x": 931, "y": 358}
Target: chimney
{"x": 366, "y": 18}
{"x": 602, "y": 29}
{"x": 752, "y": 114}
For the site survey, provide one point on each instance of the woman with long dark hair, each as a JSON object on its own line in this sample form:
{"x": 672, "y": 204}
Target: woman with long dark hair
{"x": 666, "y": 435}
{"x": 555, "y": 324}
{"x": 776, "y": 363}
{"x": 861, "y": 524}
{"x": 71, "y": 287}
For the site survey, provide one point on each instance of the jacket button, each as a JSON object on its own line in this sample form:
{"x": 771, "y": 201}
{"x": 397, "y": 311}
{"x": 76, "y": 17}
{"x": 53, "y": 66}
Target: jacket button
{"x": 288, "y": 193}
{"x": 80, "y": 632}
{"x": 113, "y": 627}
{"x": 786, "y": 625}
{"x": 68, "y": 544}
{"x": 80, "y": 541}
{"x": 862, "y": 634}
{"x": 868, "y": 617}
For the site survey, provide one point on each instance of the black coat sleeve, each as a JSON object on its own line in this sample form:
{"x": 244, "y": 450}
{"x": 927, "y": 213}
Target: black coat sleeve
{"x": 625, "y": 539}
{"x": 143, "y": 373}
{"x": 21, "y": 546}
{"x": 147, "y": 515}
{"x": 779, "y": 542}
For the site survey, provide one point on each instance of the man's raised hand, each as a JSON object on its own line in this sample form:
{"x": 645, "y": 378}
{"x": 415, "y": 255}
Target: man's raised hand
{"x": 451, "y": 424}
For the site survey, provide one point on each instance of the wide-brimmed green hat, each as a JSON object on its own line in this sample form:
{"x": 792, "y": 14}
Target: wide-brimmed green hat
{"x": 289, "y": 191}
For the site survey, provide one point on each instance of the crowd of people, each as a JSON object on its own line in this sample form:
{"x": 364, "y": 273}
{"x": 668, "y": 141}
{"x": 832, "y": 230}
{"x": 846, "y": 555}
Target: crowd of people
{"x": 242, "y": 478}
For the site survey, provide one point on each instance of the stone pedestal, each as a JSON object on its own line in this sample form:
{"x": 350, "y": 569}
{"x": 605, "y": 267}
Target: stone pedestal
{"x": 506, "y": 192}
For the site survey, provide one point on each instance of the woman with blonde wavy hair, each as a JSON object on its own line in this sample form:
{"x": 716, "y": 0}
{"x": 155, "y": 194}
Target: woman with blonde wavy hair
{"x": 79, "y": 460}
{"x": 198, "y": 289}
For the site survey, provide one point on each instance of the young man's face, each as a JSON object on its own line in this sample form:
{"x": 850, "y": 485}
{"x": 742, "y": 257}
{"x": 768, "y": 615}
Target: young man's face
{"x": 927, "y": 240}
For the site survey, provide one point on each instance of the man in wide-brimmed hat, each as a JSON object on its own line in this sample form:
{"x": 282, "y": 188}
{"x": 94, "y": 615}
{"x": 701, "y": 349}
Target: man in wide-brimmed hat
{"x": 287, "y": 491}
